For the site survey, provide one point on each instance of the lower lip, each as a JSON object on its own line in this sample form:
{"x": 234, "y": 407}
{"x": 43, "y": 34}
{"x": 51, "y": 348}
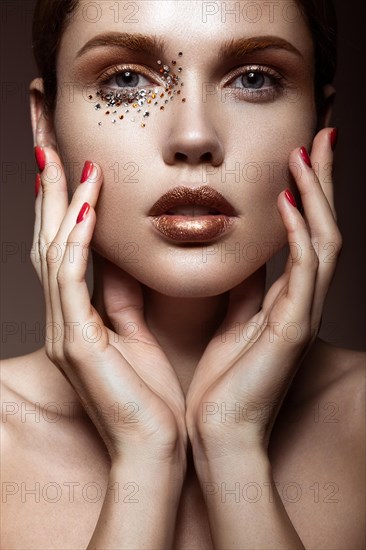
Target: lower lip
{"x": 191, "y": 229}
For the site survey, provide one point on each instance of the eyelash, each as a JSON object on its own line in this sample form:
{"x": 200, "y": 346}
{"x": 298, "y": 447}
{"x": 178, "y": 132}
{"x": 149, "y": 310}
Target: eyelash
{"x": 114, "y": 71}
{"x": 271, "y": 92}
{"x": 254, "y": 94}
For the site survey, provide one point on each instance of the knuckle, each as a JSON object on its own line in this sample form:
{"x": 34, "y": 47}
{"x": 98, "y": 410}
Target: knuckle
{"x": 337, "y": 239}
{"x": 334, "y": 242}
{"x": 70, "y": 353}
{"x": 53, "y": 254}
{"x": 43, "y": 244}
{"x": 311, "y": 259}
{"x": 62, "y": 275}
{"x": 33, "y": 260}
{"x": 61, "y": 278}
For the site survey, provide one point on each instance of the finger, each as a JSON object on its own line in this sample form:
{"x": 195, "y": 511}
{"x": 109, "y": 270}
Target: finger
{"x": 72, "y": 288}
{"x": 245, "y": 299}
{"x": 319, "y": 214}
{"x": 123, "y": 302}
{"x": 278, "y": 288}
{"x": 325, "y": 235}
{"x": 322, "y": 158}
{"x": 305, "y": 263}
{"x": 51, "y": 206}
{"x": 54, "y": 195}
{"x": 86, "y": 192}
{"x": 35, "y": 256}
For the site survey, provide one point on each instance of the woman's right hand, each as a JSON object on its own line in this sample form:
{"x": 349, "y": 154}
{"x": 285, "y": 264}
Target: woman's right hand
{"x": 138, "y": 404}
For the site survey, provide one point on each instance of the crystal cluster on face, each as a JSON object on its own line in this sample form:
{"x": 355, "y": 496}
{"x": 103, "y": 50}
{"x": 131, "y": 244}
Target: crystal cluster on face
{"x": 140, "y": 100}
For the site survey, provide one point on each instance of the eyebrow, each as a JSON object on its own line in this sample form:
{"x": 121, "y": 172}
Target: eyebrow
{"x": 151, "y": 44}
{"x": 135, "y": 42}
{"x": 241, "y": 46}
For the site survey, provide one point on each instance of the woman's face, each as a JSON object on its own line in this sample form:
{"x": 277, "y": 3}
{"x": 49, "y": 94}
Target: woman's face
{"x": 247, "y": 80}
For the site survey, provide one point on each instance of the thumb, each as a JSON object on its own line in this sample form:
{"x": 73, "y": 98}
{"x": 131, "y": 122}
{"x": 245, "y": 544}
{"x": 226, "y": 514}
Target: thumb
{"x": 245, "y": 300}
{"x": 119, "y": 296}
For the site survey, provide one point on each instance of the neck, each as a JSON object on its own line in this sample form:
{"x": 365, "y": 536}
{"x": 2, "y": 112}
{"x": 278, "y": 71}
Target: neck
{"x": 183, "y": 327}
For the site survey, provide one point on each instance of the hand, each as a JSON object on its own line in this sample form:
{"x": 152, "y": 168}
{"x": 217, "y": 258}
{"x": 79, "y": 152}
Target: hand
{"x": 240, "y": 383}
{"x": 139, "y": 407}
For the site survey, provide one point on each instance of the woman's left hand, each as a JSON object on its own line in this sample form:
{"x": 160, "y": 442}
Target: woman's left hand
{"x": 247, "y": 368}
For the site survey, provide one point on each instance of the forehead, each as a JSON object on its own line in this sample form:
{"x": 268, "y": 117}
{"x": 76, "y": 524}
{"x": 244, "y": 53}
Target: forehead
{"x": 195, "y": 26}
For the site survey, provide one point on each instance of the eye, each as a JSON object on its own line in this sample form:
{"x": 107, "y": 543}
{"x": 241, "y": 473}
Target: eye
{"x": 258, "y": 78}
{"x": 127, "y": 79}
{"x": 257, "y": 82}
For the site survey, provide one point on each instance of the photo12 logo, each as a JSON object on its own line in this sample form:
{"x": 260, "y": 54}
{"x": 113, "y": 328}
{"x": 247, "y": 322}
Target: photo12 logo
{"x": 250, "y": 12}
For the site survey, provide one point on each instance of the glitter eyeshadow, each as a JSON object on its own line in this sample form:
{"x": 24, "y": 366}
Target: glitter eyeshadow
{"x": 137, "y": 98}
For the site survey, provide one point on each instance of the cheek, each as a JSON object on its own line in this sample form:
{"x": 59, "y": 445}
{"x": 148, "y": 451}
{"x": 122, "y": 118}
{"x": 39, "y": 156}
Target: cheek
{"x": 121, "y": 149}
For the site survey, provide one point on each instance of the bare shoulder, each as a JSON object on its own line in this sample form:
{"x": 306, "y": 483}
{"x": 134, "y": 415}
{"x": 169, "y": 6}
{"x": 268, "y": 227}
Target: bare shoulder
{"x": 332, "y": 373}
{"x": 330, "y": 388}
{"x": 341, "y": 393}
{"x": 32, "y": 378}
{"x": 38, "y": 405}
{"x": 51, "y": 455}
{"x": 318, "y": 448}
{"x": 34, "y": 397}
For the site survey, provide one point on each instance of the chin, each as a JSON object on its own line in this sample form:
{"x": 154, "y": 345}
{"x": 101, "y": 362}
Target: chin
{"x": 189, "y": 279}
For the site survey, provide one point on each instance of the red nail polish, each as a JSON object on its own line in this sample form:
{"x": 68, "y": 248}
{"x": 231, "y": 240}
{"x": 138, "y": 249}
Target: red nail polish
{"x": 88, "y": 167}
{"x": 40, "y": 157}
{"x": 291, "y": 199}
{"x": 305, "y": 156}
{"x": 37, "y": 185}
{"x": 83, "y": 212}
{"x": 334, "y": 138}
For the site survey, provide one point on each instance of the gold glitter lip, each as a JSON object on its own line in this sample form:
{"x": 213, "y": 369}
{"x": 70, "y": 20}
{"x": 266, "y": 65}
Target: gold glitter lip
{"x": 192, "y": 229}
{"x": 203, "y": 227}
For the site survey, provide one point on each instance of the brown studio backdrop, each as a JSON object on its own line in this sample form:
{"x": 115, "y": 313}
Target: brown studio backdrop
{"x": 22, "y": 304}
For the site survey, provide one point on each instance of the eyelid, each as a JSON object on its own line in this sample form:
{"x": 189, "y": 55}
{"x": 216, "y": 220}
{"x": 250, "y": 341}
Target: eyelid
{"x": 118, "y": 69}
{"x": 255, "y": 68}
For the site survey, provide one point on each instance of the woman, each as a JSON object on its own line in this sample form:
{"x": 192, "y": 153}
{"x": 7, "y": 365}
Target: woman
{"x": 183, "y": 406}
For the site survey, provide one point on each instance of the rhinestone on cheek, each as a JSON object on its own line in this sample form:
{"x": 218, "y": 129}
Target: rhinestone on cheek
{"x": 138, "y": 98}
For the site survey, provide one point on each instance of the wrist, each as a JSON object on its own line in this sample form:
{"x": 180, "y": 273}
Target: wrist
{"x": 225, "y": 462}
{"x": 164, "y": 457}
{"x": 153, "y": 482}
{"x": 225, "y": 443}
{"x": 213, "y": 435}
{"x": 148, "y": 464}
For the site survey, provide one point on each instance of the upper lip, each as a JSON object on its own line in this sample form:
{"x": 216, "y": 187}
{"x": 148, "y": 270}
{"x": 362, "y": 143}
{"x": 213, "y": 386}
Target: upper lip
{"x": 199, "y": 196}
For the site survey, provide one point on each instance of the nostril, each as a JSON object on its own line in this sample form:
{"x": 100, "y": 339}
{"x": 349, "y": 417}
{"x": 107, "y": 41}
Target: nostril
{"x": 180, "y": 156}
{"x": 206, "y": 157}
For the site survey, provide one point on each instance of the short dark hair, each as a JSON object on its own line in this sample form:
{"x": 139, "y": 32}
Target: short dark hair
{"x": 52, "y": 16}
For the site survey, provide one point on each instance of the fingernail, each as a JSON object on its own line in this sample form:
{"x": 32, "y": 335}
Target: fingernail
{"x": 88, "y": 167}
{"x": 40, "y": 157}
{"x": 37, "y": 185}
{"x": 83, "y": 212}
{"x": 334, "y": 138}
{"x": 305, "y": 156}
{"x": 291, "y": 199}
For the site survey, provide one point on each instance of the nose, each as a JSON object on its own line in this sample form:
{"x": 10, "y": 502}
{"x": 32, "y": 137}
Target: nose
{"x": 192, "y": 137}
